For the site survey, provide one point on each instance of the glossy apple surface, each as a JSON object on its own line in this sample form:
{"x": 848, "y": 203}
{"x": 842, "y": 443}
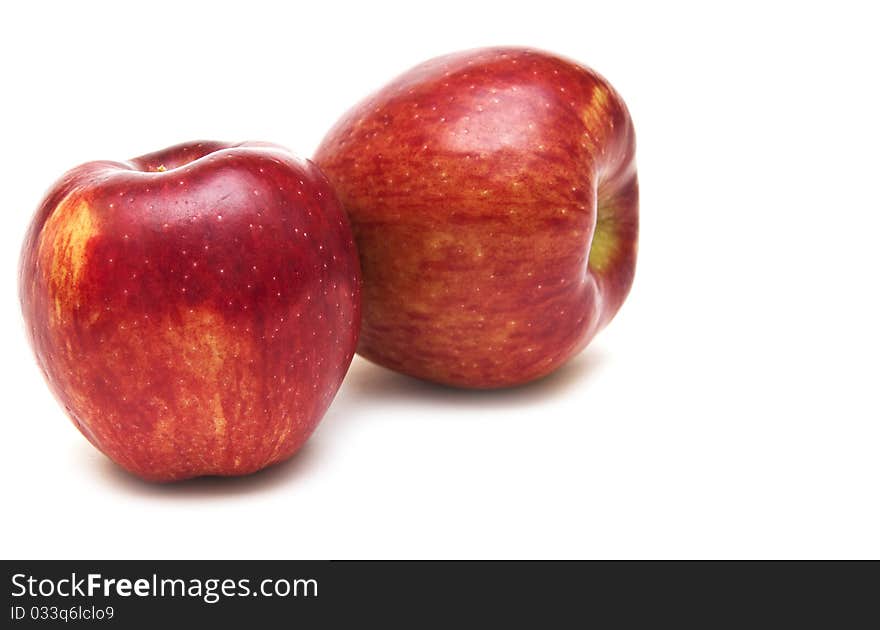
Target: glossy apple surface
{"x": 195, "y": 309}
{"x": 494, "y": 200}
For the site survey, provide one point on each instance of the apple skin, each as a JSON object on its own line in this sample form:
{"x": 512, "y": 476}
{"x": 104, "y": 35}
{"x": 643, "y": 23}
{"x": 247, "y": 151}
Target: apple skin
{"x": 494, "y": 200}
{"x": 194, "y": 310}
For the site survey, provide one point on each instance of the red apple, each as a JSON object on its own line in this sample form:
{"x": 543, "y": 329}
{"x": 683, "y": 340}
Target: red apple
{"x": 494, "y": 201}
{"x": 194, "y": 310}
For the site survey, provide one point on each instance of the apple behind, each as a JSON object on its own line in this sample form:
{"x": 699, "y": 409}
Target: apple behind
{"x": 494, "y": 199}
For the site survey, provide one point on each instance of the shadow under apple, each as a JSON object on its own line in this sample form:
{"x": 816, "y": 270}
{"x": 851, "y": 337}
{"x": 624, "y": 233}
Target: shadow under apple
{"x": 367, "y": 385}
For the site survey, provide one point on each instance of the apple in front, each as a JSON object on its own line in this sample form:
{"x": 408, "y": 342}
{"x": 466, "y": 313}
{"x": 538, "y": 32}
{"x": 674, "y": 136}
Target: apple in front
{"x": 494, "y": 201}
{"x": 194, "y": 310}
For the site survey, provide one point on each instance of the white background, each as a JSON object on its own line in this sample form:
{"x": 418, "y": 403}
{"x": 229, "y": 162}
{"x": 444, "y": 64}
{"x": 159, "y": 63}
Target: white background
{"x": 729, "y": 411}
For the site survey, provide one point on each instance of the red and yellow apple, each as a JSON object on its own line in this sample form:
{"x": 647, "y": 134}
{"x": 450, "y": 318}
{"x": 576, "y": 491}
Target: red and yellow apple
{"x": 494, "y": 201}
{"x": 194, "y": 310}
